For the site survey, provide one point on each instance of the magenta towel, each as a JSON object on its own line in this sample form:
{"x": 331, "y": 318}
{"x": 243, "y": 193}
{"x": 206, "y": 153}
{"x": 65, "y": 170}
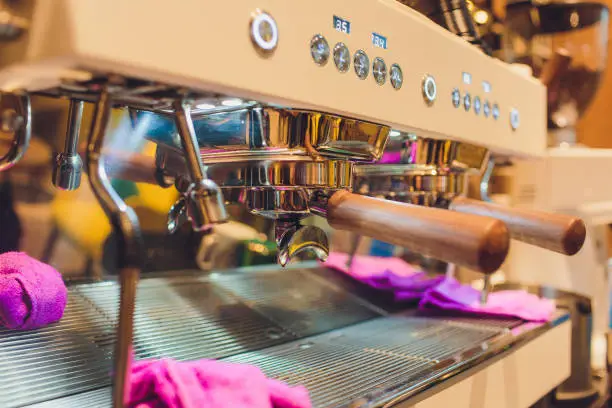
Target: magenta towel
{"x": 32, "y": 294}
{"x": 168, "y": 383}
{"x": 385, "y": 273}
{"x": 454, "y": 297}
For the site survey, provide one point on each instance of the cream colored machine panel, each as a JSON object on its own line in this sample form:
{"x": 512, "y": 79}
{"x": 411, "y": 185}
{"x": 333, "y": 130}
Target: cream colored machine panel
{"x": 208, "y": 46}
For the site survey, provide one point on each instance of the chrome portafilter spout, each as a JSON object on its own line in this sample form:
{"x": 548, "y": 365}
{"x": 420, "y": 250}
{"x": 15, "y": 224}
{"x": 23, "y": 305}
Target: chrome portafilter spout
{"x": 67, "y": 166}
{"x": 293, "y": 239}
{"x": 288, "y": 208}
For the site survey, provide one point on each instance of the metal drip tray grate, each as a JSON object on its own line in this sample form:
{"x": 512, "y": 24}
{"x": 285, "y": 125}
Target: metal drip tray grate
{"x": 298, "y": 300}
{"x": 346, "y": 364}
{"x": 62, "y": 359}
{"x": 189, "y": 319}
{"x": 269, "y": 319}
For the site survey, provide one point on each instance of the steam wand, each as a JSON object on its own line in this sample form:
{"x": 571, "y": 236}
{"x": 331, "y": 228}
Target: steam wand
{"x": 129, "y": 243}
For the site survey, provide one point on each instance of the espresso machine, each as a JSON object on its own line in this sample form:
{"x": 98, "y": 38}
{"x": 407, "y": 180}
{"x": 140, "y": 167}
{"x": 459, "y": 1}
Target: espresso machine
{"x": 275, "y": 113}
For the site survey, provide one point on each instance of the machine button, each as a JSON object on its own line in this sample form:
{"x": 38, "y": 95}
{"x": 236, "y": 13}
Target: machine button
{"x": 361, "y": 63}
{"x": 379, "y": 70}
{"x": 342, "y": 57}
{"x": 396, "y": 76}
{"x": 264, "y": 32}
{"x": 319, "y": 49}
{"x": 456, "y": 98}
{"x": 486, "y": 109}
{"x": 495, "y": 111}
{"x": 477, "y": 105}
{"x": 515, "y": 119}
{"x": 467, "y": 102}
{"x": 430, "y": 89}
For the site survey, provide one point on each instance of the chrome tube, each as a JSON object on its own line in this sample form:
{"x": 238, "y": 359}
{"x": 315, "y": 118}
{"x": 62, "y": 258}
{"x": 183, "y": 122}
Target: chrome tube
{"x": 125, "y": 225}
{"x": 67, "y": 167}
{"x": 355, "y": 241}
{"x": 16, "y": 118}
{"x": 486, "y": 178}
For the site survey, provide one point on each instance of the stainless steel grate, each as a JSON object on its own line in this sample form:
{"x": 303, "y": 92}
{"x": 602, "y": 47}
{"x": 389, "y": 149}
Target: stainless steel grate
{"x": 188, "y": 318}
{"x": 298, "y": 301}
{"x": 62, "y": 359}
{"x": 99, "y": 398}
{"x": 260, "y": 318}
{"x": 346, "y": 364}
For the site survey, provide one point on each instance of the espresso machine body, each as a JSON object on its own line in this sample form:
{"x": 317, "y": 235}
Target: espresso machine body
{"x": 271, "y": 106}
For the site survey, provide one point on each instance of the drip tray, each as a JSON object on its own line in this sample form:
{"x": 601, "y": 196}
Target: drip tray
{"x": 292, "y": 323}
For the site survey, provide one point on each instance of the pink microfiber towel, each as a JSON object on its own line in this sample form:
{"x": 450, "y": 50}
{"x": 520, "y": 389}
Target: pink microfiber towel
{"x": 168, "y": 383}
{"x": 32, "y": 294}
{"x": 454, "y": 297}
{"x": 387, "y": 274}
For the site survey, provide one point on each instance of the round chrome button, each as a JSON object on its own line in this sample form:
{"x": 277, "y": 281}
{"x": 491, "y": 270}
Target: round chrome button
{"x": 430, "y": 90}
{"x": 319, "y": 49}
{"x": 396, "y": 76}
{"x": 477, "y": 105}
{"x": 361, "y": 63}
{"x": 456, "y": 98}
{"x": 342, "y": 57}
{"x": 379, "y": 70}
{"x": 467, "y": 102}
{"x": 515, "y": 119}
{"x": 264, "y": 32}
{"x": 486, "y": 109}
{"x": 495, "y": 111}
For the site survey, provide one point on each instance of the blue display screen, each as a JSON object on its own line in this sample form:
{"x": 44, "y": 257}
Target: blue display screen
{"x": 342, "y": 25}
{"x": 379, "y": 41}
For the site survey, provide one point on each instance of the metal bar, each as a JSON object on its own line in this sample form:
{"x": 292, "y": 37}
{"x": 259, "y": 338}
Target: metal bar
{"x": 75, "y": 117}
{"x": 356, "y": 240}
{"x": 189, "y": 142}
{"x": 485, "y": 180}
{"x": 20, "y": 123}
{"x": 126, "y": 227}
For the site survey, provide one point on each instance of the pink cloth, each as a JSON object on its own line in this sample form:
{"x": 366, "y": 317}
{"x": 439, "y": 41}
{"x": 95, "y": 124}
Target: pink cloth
{"x": 168, "y": 383}
{"x": 385, "y": 273}
{"x": 32, "y": 294}
{"x": 460, "y": 299}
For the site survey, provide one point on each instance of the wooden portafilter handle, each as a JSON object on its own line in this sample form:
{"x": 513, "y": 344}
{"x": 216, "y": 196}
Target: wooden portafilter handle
{"x": 561, "y": 233}
{"x": 479, "y": 243}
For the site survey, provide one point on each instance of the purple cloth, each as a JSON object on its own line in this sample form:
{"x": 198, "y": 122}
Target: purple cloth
{"x": 390, "y": 158}
{"x": 388, "y": 274}
{"x": 440, "y": 293}
{"x": 32, "y": 294}
{"x": 454, "y": 297}
{"x": 168, "y": 383}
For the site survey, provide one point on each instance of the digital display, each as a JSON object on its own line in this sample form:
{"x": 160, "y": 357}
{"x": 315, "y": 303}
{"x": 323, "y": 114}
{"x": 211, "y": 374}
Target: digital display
{"x": 342, "y": 25}
{"x": 486, "y": 86}
{"x": 379, "y": 41}
{"x": 467, "y": 78}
